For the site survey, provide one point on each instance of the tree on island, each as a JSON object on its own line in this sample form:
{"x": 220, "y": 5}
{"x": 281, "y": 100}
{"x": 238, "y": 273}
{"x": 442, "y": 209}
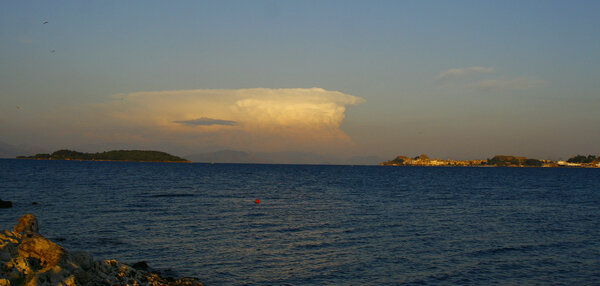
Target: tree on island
{"x": 504, "y": 161}
{"x": 422, "y": 157}
{"x": 532, "y": 163}
{"x": 581, "y": 159}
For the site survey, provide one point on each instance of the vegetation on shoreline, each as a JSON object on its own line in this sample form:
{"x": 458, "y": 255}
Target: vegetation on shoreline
{"x": 583, "y": 159}
{"x": 115, "y": 155}
{"x": 589, "y": 161}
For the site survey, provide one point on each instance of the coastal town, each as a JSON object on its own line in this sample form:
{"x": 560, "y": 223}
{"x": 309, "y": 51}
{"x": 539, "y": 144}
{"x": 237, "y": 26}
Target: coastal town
{"x": 579, "y": 161}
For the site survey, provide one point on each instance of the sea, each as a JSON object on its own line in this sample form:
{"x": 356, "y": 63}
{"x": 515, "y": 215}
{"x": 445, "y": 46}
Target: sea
{"x": 259, "y": 224}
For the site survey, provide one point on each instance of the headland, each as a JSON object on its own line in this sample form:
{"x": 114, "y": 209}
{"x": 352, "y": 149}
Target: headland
{"x": 115, "y": 155}
{"x": 578, "y": 161}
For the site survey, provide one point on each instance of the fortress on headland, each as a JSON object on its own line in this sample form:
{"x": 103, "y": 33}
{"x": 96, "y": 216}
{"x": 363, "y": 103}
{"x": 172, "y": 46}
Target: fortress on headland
{"x": 580, "y": 161}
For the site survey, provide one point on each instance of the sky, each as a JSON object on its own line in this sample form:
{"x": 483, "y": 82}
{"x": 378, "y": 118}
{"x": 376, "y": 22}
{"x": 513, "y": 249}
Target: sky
{"x": 451, "y": 79}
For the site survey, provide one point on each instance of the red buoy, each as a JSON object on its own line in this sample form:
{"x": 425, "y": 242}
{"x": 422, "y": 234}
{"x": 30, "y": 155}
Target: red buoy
{"x": 257, "y": 201}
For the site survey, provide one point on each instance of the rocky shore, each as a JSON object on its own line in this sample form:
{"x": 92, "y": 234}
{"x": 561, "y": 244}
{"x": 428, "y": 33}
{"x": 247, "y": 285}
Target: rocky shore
{"x": 28, "y": 258}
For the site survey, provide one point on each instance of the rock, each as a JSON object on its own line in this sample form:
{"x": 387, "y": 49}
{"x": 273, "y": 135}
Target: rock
{"x": 41, "y": 248}
{"x": 186, "y": 281}
{"x": 83, "y": 259}
{"x": 27, "y": 223}
{"x": 28, "y": 258}
{"x": 142, "y": 265}
{"x": 5, "y": 204}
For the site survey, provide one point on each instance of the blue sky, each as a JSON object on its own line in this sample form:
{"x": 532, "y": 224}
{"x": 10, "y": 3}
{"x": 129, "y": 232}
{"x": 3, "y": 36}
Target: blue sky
{"x": 458, "y": 79}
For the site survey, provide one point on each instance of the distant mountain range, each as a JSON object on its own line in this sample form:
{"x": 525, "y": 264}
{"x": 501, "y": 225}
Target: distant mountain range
{"x": 11, "y": 151}
{"x": 233, "y": 156}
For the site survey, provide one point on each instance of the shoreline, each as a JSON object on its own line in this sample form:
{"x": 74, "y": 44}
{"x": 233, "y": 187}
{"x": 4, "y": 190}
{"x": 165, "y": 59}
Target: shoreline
{"x": 487, "y": 166}
{"x": 578, "y": 161}
{"x": 28, "y": 258}
{"x": 352, "y": 165}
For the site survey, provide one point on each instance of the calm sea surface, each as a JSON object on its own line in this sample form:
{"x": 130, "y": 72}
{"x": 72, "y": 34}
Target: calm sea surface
{"x": 320, "y": 225}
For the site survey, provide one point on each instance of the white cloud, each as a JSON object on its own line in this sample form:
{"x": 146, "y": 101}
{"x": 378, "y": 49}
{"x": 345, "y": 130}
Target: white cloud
{"x": 461, "y": 72}
{"x": 256, "y": 118}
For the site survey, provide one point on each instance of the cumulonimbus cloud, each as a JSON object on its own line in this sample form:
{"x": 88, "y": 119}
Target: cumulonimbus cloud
{"x": 237, "y": 118}
{"x": 461, "y": 72}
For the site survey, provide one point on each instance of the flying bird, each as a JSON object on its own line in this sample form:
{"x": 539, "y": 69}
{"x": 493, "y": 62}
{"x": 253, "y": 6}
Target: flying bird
{"x": 45, "y": 22}
{"x": 53, "y": 51}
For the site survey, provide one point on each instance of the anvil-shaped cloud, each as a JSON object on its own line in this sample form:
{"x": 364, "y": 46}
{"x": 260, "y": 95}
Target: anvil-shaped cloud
{"x": 256, "y": 118}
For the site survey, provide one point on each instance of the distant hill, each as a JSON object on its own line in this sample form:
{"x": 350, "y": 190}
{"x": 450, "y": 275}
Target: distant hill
{"x": 496, "y": 161}
{"x": 117, "y": 155}
{"x": 11, "y": 151}
{"x": 590, "y": 159}
{"x": 225, "y": 156}
{"x": 232, "y": 156}
{"x": 7, "y": 150}
{"x": 363, "y": 160}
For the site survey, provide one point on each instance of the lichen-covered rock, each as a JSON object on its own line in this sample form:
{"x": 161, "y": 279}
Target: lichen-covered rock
{"x": 28, "y": 258}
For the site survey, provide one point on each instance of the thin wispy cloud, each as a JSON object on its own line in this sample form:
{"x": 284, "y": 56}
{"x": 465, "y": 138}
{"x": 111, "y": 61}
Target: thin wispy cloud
{"x": 462, "y": 72}
{"x": 205, "y": 121}
{"x": 492, "y": 85}
{"x": 464, "y": 80}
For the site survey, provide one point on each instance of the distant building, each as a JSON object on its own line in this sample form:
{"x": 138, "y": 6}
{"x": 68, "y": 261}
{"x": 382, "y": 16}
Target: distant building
{"x": 567, "y": 164}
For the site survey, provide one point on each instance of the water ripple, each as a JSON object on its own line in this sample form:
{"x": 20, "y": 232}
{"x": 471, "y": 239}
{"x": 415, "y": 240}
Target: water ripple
{"x": 320, "y": 225}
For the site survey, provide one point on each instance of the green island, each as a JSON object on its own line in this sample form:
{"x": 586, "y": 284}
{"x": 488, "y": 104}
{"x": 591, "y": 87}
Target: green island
{"x": 115, "y": 155}
{"x": 579, "y": 161}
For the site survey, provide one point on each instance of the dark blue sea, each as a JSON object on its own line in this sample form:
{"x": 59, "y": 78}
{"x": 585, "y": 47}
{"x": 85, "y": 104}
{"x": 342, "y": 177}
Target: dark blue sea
{"x": 320, "y": 225}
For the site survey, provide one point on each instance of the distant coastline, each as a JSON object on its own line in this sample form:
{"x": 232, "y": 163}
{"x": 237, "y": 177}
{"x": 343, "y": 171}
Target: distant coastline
{"x": 115, "y": 155}
{"x": 579, "y": 161}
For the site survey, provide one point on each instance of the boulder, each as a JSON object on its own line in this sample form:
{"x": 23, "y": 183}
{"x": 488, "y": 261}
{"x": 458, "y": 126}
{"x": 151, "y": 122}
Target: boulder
{"x": 36, "y": 246}
{"x": 5, "y": 205}
{"x": 27, "y": 224}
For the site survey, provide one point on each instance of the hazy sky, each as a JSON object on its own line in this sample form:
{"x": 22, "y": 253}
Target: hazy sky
{"x": 453, "y": 79}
